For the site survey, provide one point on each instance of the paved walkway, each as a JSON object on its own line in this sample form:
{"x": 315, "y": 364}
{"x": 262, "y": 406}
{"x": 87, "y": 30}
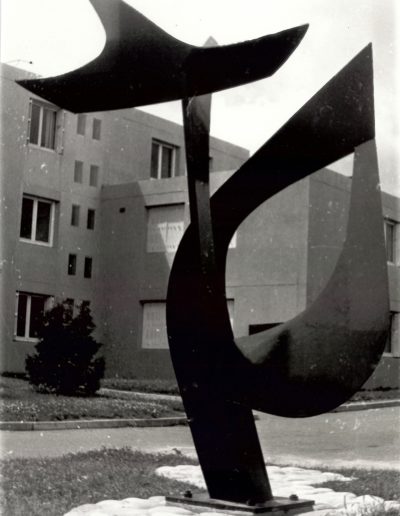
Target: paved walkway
{"x": 369, "y": 438}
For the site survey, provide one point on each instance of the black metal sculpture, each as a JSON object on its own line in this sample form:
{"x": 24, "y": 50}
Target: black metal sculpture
{"x": 305, "y": 366}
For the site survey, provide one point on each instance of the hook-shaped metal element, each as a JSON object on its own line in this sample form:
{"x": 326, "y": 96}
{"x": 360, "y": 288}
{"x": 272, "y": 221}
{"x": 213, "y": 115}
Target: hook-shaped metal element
{"x": 318, "y": 360}
{"x": 142, "y": 64}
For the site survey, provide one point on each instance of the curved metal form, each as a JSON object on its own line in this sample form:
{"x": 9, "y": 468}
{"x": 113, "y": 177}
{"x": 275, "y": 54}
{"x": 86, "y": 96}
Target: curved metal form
{"x": 305, "y": 366}
{"x": 314, "y": 362}
{"x": 141, "y": 64}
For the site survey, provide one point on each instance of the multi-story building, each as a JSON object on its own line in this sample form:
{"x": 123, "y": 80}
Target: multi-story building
{"x": 55, "y": 168}
{"x": 94, "y": 209}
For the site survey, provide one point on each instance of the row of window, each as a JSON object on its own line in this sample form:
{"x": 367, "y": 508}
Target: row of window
{"x": 165, "y": 226}
{"x": 75, "y": 216}
{"x": 81, "y": 126}
{"x": 94, "y": 172}
{"x": 43, "y": 125}
{"x": 37, "y": 220}
{"x": 43, "y": 132}
{"x": 87, "y": 267}
{"x": 31, "y": 307}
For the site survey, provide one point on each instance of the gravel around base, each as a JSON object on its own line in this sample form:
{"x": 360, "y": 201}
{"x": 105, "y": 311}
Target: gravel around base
{"x": 285, "y": 481}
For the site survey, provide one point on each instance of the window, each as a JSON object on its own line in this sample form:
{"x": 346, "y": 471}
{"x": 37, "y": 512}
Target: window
{"x": 163, "y": 160}
{"x": 390, "y": 227}
{"x": 87, "y": 272}
{"x": 75, "y": 215}
{"x": 29, "y": 314}
{"x": 94, "y": 175}
{"x": 154, "y": 332}
{"x": 393, "y": 339}
{"x": 96, "y": 132}
{"x": 90, "y": 218}
{"x": 71, "y": 264}
{"x": 37, "y": 221}
{"x": 81, "y": 124}
{"x": 164, "y": 228}
{"x": 69, "y": 305}
{"x": 78, "y": 172}
{"x": 42, "y": 127}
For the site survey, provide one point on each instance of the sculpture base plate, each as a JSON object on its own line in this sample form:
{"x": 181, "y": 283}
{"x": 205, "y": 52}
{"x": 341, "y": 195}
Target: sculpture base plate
{"x": 277, "y": 505}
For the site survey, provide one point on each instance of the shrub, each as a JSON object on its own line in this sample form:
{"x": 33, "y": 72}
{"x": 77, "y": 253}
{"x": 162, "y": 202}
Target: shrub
{"x": 65, "y": 362}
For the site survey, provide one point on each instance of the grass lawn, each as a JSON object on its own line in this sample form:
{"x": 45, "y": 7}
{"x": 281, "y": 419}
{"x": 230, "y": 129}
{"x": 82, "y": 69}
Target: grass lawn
{"x": 52, "y": 487}
{"x": 156, "y": 386}
{"x": 21, "y": 403}
{"x": 49, "y": 487}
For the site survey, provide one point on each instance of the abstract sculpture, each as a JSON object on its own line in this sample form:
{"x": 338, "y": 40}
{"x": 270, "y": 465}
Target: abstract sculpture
{"x": 305, "y": 366}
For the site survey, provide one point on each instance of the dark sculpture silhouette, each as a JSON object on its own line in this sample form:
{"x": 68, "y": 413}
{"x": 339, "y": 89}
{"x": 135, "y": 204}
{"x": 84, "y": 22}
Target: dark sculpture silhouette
{"x": 305, "y": 366}
{"x": 141, "y": 64}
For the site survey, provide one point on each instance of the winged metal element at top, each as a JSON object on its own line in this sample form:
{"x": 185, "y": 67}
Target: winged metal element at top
{"x": 141, "y": 64}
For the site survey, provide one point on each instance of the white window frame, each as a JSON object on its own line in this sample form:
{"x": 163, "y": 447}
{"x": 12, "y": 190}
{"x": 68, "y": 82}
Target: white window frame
{"x": 161, "y": 146}
{"x": 49, "y": 301}
{"x": 33, "y": 240}
{"x": 42, "y": 106}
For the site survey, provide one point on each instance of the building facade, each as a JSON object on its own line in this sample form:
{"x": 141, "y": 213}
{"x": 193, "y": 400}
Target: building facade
{"x": 55, "y": 166}
{"x": 94, "y": 208}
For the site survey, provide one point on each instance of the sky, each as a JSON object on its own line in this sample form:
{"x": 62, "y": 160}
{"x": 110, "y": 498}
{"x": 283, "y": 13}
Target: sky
{"x": 61, "y": 35}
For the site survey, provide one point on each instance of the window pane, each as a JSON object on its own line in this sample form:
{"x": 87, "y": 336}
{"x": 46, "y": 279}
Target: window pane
{"x": 26, "y": 218}
{"x": 78, "y": 172}
{"x": 34, "y": 126}
{"x": 165, "y": 228}
{"x": 75, "y": 215}
{"x": 166, "y": 162}
{"x": 96, "y": 129}
{"x": 81, "y": 124}
{"x": 48, "y": 128}
{"x": 154, "y": 333}
{"x": 21, "y": 315}
{"x": 389, "y": 235}
{"x": 72, "y": 264}
{"x": 90, "y": 219}
{"x": 94, "y": 175}
{"x": 88, "y": 267}
{"x": 43, "y": 222}
{"x": 154, "y": 160}
{"x": 37, "y": 311}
